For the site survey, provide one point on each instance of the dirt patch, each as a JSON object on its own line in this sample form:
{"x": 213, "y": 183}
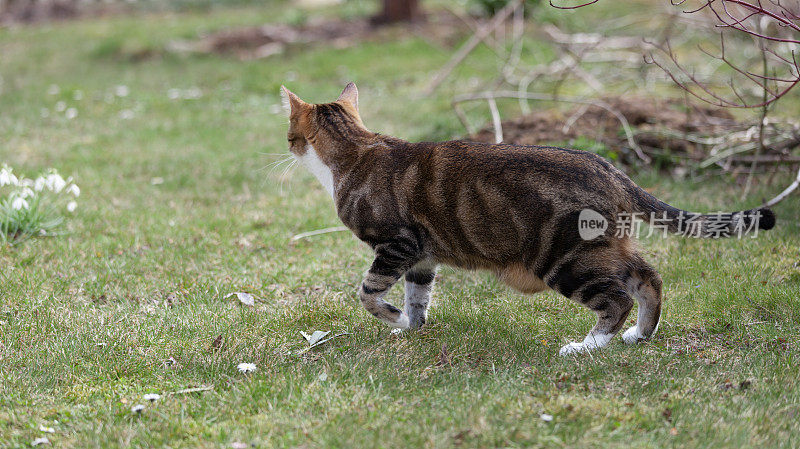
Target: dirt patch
{"x": 442, "y": 29}
{"x": 656, "y": 124}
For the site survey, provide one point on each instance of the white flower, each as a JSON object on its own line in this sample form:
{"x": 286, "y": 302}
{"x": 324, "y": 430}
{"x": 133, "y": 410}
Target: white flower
{"x": 121, "y": 91}
{"x": 75, "y": 190}
{"x": 77, "y": 95}
{"x": 39, "y": 184}
{"x": 71, "y": 206}
{"x": 40, "y": 441}
{"x": 7, "y": 178}
{"x": 137, "y": 408}
{"x": 126, "y": 114}
{"x": 26, "y": 192}
{"x": 46, "y": 429}
{"x": 152, "y": 397}
{"x": 53, "y": 90}
{"x": 60, "y": 106}
{"x": 71, "y": 113}
{"x": 26, "y": 182}
{"x": 545, "y": 417}
{"x": 55, "y": 182}
{"x": 19, "y": 203}
{"x": 246, "y": 367}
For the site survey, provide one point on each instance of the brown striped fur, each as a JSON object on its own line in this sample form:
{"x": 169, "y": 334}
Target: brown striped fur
{"x": 512, "y": 210}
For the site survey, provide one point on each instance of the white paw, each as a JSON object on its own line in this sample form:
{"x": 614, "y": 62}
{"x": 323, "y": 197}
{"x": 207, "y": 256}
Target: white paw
{"x": 572, "y": 348}
{"x": 401, "y": 323}
{"x": 589, "y": 343}
{"x": 632, "y": 335}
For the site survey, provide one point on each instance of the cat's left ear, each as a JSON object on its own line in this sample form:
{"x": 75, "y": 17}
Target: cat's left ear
{"x": 291, "y": 102}
{"x": 350, "y": 95}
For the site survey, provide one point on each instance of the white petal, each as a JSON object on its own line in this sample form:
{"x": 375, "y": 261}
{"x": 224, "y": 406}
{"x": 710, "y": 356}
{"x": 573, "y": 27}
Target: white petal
{"x": 137, "y": 408}
{"x": 71, "y": 206}
{"x": 246, "y": 367}
{"x": 40, "y": 441}
{"x": 75, "y": 190}
{"x": 152, "y": 397}
{"x": 19, "y": 203}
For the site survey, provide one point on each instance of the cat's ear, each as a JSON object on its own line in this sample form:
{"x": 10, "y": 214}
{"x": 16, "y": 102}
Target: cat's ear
{"x": 292, "y": 104}
{"x": 350, "y": 95}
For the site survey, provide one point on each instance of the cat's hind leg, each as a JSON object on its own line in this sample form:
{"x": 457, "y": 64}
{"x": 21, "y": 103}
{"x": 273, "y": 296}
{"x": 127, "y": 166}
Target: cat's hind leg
{"x": 419, "y": 285}
{"x": 612, "y": 304}
{"x": 645, "y": 285}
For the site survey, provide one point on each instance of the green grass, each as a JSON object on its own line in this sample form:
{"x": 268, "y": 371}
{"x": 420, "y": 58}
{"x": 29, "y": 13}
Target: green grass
{"x": 132, "y": 299}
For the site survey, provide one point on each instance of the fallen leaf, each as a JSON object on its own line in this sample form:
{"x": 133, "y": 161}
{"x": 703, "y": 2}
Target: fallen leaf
{"x": 39, "y": 441}
{"x": 315, "y": 337}
{"x": 244, "y": 298}
{"x": 217, "y": 343}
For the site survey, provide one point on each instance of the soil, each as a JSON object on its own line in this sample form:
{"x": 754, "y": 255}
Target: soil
{"x": 648, "y": 117}
{"x": 443, "y": 29}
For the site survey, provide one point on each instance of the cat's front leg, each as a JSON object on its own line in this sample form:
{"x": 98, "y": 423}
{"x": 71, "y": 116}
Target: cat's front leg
{"x": 391, "y": 261}
{"x": 419, "y": 285}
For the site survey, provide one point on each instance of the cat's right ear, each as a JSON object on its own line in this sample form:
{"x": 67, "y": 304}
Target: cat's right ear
{"x": 292, "y": 104}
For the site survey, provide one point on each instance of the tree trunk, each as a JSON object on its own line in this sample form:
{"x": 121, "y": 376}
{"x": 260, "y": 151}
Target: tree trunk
{"x": 397, "y": 11}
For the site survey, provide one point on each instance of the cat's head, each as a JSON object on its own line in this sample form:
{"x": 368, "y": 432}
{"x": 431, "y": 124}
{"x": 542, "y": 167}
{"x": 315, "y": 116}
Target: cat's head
{"x": 322, "y": 127}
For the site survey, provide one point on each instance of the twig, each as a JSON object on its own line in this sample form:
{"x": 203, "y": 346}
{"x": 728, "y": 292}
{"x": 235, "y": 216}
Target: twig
{"x": 318, "y": 232}
{"x": 785, "y": 192}
{"x": 192, "y": 390}
{"x": 498, "y": 126}
{"x": 545, "y": 97}
{"x": 470, "y": 45}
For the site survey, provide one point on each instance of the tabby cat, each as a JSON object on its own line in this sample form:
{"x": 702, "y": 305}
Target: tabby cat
{"x": 512, "y": 210}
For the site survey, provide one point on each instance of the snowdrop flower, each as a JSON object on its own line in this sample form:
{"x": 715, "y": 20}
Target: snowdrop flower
{"x": 39, "y": 184}
{"x": 77, "y": 95}
{"x": 60, "y": 106}
{"x": 71, "y": 113}
{"x": 75, "y": 190}
{"x": 55, "y": 182}
{"x": 71, "y": 206}
{"x": 137, "y": 408}
{"x": 7, "y": 178}
{"x": 53, "y": 90}
{"x": 121, "y": 91}
{"x": 126, "y": 114}
{"x": 26, "y": 182}
{"x": 26, "y": 192}
{"x": 152, "y": 397}
{"x": 246, "y": 367}
{"x": 19, "y": 203}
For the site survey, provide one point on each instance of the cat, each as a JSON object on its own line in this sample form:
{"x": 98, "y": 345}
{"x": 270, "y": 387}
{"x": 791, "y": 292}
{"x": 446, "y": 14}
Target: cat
{"x": 516, "y": 211}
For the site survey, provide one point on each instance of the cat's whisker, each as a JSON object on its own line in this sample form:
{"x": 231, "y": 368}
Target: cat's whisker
{"x": 285, "y": 171}
{"x": 277, "y": 164}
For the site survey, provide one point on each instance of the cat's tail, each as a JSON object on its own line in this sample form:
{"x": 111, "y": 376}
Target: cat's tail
{"x": 662, "y": 216}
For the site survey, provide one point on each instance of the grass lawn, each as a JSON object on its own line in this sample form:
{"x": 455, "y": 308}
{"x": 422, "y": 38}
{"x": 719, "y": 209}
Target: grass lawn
{"x": 179, "y": 208}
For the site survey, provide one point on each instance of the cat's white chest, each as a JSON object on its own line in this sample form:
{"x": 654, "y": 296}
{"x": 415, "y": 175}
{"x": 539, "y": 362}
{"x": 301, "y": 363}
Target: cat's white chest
{"x": 318, "y": 168}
